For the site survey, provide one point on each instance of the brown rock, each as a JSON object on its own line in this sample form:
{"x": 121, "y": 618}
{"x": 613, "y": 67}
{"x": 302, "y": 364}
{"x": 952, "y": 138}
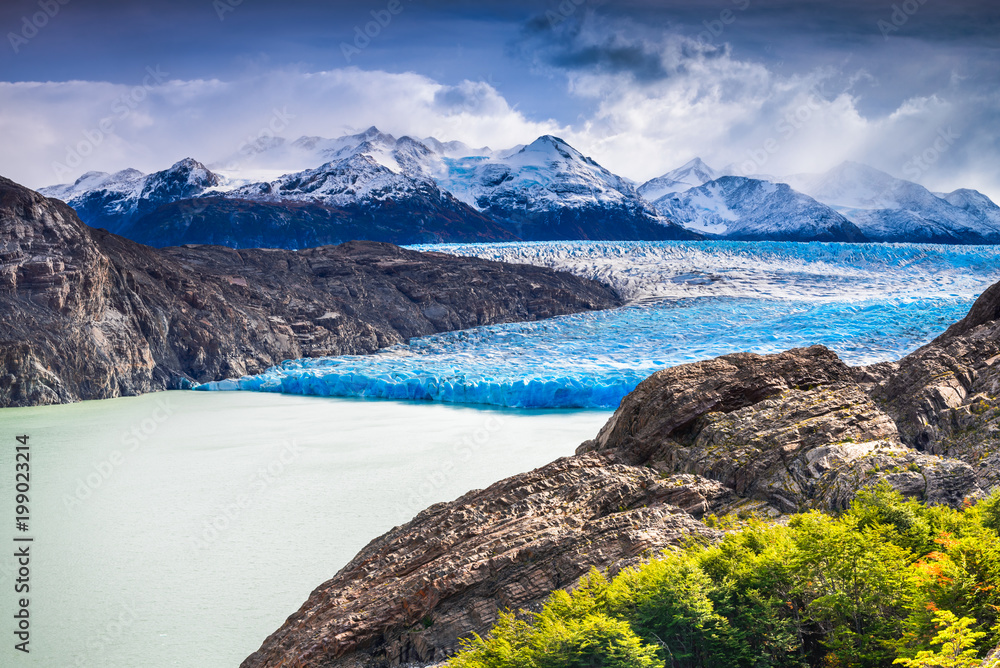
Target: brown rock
{"x": 410, "y": 594}
{"x": 795, "y": 430}
{"x": 944, "y": 396}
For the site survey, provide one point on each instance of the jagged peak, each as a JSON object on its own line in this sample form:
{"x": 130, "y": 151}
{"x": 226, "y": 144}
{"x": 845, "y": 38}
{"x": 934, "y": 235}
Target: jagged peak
{"x": 373, "y": 133}
{"x": 550, "y": 145}
{"x": 127, "y": 173}
{"x": 90, "y": 176}
{"x": 546, "y": 141}
{"x": 695, "y": 163}
{"x": 186, "y": 164}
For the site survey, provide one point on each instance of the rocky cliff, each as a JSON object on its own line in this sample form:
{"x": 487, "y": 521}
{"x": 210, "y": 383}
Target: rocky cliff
{"x": 409, "y": 595}
{"x": 793, "y": 430}
{"x": 768, "y": 434}
{"x": 944, "y": 396}
{"x": 91, "y": 315}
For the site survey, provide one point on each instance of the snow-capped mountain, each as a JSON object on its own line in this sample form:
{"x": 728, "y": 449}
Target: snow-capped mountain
{"x": 373, "y": 185}
{"x": 355, "y": 178}
{"x": 114, "y": 201}
{"x": 976, "y": 205}
{"x": 371, "y": 190}
{"x": 546, "y": 190}
{"x": 93, "y": 181}
{"x": 889, "y": 209}
{"x": 737, "y": 207}
{"x": 691, "y": 175}
{"x": 370, "y": 186}
{"x": 549, "y": 190}
{"x": 271, "y": 158}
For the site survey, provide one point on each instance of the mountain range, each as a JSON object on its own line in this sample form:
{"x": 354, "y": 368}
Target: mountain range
{"x": 374, "y": 186}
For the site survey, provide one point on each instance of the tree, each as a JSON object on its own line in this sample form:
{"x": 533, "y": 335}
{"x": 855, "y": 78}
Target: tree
{"x": 957, "y": 643}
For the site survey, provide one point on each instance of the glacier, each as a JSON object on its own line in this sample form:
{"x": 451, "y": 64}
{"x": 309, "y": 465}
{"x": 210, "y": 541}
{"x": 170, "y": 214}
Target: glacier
{"x": 688, "y": 301}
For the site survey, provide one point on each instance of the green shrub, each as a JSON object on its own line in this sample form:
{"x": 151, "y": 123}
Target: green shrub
{"x": 871, "y": 586}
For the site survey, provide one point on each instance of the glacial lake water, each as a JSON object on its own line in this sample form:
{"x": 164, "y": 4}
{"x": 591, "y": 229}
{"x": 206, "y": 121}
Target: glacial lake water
{"x": 222, "y": 512}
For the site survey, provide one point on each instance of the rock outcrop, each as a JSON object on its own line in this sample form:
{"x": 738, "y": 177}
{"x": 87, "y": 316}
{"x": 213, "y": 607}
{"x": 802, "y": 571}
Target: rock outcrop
{"x": 944, "y": 396}
{"x": 91, "y": 315}
{"x": 410, "y": 594}
{"x": 795, "y": 430}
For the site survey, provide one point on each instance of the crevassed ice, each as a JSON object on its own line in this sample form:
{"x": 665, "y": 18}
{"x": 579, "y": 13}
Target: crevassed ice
{"x": 691, "y": 301}
{"x": 781, "y": 270}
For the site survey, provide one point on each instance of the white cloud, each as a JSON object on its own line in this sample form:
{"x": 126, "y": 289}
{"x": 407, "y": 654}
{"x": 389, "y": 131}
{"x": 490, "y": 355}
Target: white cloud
{"x": 86, "y": 125}
{"x": 741, "y": 113}
{"x": 705, "y": 103}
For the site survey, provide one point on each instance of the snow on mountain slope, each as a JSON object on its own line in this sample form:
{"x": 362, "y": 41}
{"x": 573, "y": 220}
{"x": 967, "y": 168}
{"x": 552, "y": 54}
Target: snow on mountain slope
{"x": 889, "y": 209}
{"x": 543, "y": 191}
{"x": 115, "y": 201}
{"x": 549, "y": 190}
{"x": 356, "y": 178}
{"x": 276, "y": 155}
{"x": 693, "y": 174}
{"x": 266, "y": 160}
{"x": 546, "y": 173}
{"x": 977, "y": 205}
{"x": 93, "y": 181}
{"x": 375, "y": 187}
{"x": 736, "y": 207}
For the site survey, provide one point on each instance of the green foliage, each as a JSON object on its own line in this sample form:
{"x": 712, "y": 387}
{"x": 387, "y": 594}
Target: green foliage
{"x": 590, "y": 640}
{"x": 990, "y": 509}
{"x": 956, "y": 642}
{"x": 888, "y": 580}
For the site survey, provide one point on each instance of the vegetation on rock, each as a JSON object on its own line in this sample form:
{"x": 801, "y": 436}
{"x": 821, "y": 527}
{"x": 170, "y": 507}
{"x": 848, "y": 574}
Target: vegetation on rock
{"x": 888, "y": 580}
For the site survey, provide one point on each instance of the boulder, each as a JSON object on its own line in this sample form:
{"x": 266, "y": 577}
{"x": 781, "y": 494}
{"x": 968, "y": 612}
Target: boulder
{"x": 795, "y": 430}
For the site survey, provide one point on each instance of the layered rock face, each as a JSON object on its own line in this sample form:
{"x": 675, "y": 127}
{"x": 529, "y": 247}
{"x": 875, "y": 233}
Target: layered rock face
{"x": 794, "y": 430}
{"x": 944, "y": 396}
{"x": 409, "y": 595}
{"x": 91, "y": 315}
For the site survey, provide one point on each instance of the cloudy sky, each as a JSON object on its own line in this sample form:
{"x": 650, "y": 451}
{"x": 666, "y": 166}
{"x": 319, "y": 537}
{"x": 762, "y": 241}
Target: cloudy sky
{"x": 768, "y": 86}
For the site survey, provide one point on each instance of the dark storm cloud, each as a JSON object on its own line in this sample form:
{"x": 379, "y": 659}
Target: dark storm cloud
{"x": 567, "y": 39}
{"x": 632, "y": 58}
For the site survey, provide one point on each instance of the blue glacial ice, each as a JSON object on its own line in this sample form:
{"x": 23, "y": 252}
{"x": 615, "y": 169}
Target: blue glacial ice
{"x": 689, "y": 301}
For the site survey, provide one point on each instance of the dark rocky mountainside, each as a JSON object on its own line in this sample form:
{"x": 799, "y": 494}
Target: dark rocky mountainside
{"x": 90, "y": 315}
{"x": 743, "y": 432}
{"x": 241, "y": 223}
